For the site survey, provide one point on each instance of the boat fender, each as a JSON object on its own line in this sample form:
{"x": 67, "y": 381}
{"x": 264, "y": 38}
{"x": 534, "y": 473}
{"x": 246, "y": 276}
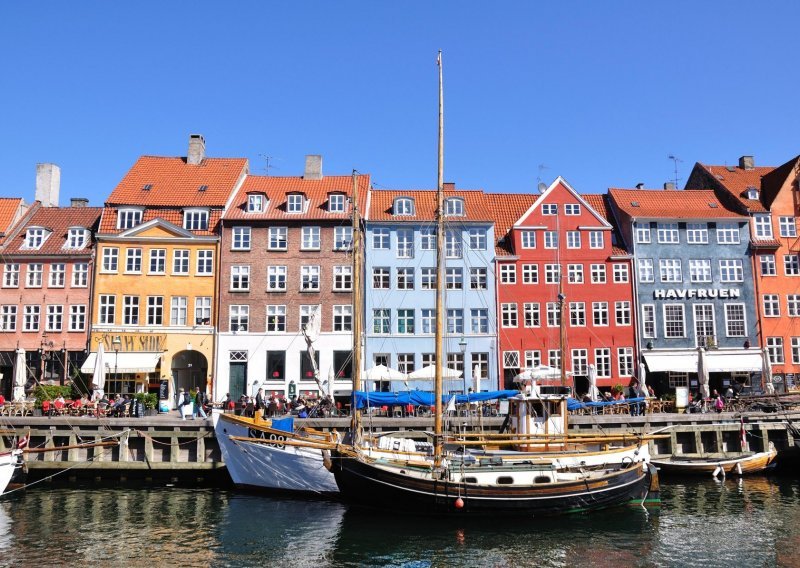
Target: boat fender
{"x": 717, "y": 471}
{"x": 459, "y": 504}
{"x": 739, "y": 468}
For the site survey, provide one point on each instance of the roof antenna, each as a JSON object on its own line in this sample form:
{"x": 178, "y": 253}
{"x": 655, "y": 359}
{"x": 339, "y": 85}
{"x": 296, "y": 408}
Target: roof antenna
{"x": 268, "y": 162}
{"x": 539, "y": 183}
{"x": 675, "y": 161}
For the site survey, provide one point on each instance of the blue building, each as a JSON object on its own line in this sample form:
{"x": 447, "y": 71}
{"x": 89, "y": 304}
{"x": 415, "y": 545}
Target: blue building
{"x": 400, "y": 281}
{"x": 694, "y": 287}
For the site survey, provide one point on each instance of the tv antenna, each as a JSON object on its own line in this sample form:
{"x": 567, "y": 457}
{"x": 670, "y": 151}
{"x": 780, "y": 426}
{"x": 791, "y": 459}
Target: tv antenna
{"x": 268, "y": 165}
{"x": 675, "y": 161}
{"x": 539, "y": 182}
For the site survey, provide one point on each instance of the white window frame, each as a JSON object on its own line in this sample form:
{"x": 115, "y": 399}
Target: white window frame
{"x": 195, "y": 219}
{"x": 278, "y": 238}
{"x": 668, "y": 309}
{"x": 241, "y": 237}
{"x": 668, "y": 233}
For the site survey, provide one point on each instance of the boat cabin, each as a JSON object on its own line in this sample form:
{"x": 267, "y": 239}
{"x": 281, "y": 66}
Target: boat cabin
{"x": 539, "y": 411}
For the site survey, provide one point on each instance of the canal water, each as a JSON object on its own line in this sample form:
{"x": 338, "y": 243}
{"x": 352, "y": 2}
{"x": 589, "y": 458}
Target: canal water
{"x": 750, "y": 522}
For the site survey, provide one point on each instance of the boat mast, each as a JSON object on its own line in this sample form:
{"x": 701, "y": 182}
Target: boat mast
{"x": 439, "y": 353}
{"x": 562, "y": 320}
{"x": 355, "y": 428}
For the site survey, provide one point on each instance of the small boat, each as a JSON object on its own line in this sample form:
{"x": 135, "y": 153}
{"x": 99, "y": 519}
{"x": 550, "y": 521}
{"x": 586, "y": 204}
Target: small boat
{"x": 716, "y": 465}
{"x": 10, "y": 461}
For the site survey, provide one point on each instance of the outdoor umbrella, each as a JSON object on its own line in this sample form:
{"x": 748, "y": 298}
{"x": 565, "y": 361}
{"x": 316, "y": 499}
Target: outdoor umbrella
{"x": 20, "y": 376}
{"x": 429, "y": 372}
{"x": 476, "y": 378}
{"x": 766, "y": 374}
{"x": 594, "y": 394}
{"x": 99, "y": 377}
{"x": 702, "y": 373}
{"x": 538, "y": 373}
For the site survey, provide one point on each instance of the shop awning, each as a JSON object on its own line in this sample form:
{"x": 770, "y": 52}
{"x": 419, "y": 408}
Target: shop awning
{"x": 717, "y": 361}
{"x": 731, "y": 361}
{"x": 141, "y": 362}
{"x": 678, "y": 361}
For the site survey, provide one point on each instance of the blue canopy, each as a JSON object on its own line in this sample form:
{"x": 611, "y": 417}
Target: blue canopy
{"x": 575, "y": 404}
{"x": 423, "y": 398}
{"x": 285, "y": 424}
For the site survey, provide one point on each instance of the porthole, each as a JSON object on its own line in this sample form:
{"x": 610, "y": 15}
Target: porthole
{"x": 505, "y": 480}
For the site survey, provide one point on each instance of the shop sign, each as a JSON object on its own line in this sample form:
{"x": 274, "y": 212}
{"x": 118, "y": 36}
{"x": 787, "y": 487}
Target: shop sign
{"x": 135, "y": 342}
{"x": 699, "y": 293}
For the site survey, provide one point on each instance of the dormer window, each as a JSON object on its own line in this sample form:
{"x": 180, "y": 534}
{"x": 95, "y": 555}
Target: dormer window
{"x": 195, "y": 219}
{"x": 35, "y": 237}
{"x": 77, "y": 237}
{"x": 294, "y": 203}
{"x": 255, "y": 203}
{"x": 336, "y": 203}
{"x": 403, "y": 206}
{"x": 752, "y": 193}
{"x": 129, "y": 218}
{"x": 454, "y": 207}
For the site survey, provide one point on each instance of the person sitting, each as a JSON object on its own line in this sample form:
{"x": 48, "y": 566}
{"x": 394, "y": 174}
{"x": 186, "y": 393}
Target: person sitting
{"x": 46, "y": 407}
{"x": 59, "y": 404}
{"x": 2, "y": 401}
{"x": 76, "y": 406}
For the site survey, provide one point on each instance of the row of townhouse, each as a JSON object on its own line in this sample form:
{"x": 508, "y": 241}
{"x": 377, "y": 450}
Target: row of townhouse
{"x": 196, "y": 273}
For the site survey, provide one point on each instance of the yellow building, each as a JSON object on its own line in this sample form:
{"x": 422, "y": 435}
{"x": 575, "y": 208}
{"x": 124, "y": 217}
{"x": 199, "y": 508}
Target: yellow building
{"x": 154, "y": 298}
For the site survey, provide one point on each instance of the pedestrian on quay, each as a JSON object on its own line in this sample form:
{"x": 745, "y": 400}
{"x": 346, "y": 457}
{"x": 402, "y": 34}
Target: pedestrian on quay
{"x": 260, "y": 401}
{"x": 227, "y": 404}
{"x": 199, "y": 403}
{"x": 184, "y": 400}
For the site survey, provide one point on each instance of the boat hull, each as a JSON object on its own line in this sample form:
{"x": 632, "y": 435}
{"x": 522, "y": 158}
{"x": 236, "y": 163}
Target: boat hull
{"x": 755, "y": 463}
{"x": 393, "y": 489}
{"x": 9, "y": 462}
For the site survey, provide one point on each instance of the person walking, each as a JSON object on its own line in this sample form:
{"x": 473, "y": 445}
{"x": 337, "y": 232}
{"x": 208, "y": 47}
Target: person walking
{"x": 184, "y": 400}
{"x": 199, "y": 403}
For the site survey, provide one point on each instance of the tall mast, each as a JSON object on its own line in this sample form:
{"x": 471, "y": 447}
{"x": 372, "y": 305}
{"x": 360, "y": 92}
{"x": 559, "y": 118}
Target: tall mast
{"x": 562, "y": 302}
{"x": 439, "y": 353}
{"x": 357, "y": 315}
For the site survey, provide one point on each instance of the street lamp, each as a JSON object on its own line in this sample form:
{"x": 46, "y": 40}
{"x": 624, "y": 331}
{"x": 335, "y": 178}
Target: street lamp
{"x": 116, "y": 343}
{"x": 462, "y": 345}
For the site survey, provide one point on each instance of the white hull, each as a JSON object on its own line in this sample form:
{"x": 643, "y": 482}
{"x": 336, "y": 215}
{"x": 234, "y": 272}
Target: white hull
{"x": 8, "y": 464}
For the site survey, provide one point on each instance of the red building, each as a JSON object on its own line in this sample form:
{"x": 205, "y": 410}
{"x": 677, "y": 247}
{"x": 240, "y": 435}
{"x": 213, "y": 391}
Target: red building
{"x": 563, "y": 233}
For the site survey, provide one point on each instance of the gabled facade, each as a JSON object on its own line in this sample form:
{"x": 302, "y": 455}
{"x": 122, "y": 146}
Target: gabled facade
{"x": 400, "y": 281}
{"x": 563, "y": 234}
{"x": 45, "y": 291}
{"x": 694, "y": 286}
{"x": 769, "y": 196}
{"x": 286, "y": 253}
{"x": 156, "y": 272}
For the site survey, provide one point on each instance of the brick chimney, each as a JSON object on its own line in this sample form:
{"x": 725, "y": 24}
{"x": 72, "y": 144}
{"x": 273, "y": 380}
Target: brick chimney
{"x": 48, "y": 184}
{"x": 313, "y": 167}
{"x": 79, "y": 202}
{"x": 669, "y": 185}
{"x": 449, "y": 186}
{"x": 197, "y": 149}
{"x": 747, "y": 162}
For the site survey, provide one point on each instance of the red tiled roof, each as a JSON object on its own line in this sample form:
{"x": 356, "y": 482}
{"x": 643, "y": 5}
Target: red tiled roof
{"x": 58, "y": 220}
{"x": 382, "y": 200}
{"x": 599, "y": 202}
{"x": 507, "y": 208}
{"x": 736, "y": 180}
{"x": 671, "y": 204}
{"x": 108, "y": 224}
{"x": 316, "y": 192}
{"x": 172, "y": 181}
{"x": 9, "y": 206}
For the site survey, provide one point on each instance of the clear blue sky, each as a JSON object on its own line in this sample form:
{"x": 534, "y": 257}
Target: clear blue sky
{"x": 598, "y": 92}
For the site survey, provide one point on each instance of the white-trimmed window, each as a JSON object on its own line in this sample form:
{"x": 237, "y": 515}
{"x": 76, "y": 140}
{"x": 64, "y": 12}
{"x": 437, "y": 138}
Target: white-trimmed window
{"x": 649, "y": 321}
{"x": 155, "y": 310}
{"x": 478, "y": 278}
{"x": 336, "y": 202}
{"x": 575, "y": 273}
{"x": 791, "y": 264}
{"x": 598, "y": 273}
{"x": 600, "y": 314}
{"x": 554, "y": 358}
{"x": 795, "y": 350}
{"x": 573, "y": 239}
{"x": 670, "y": 270}
{"x": 455, "y": 321}
{"x": 427, "y": 238}
{"x": 793, "y": 305}
{"x": 202, "y": 310}
{"x": 668, "y": 233}
{"x": 55, "y": 318}
{"x": 380, "y": 238}
{"x": 550, "y": 240}
{"x": 30, "y": 321}
{"x": 178, "y": 312}
{"x": 77, "y": 237}
{"x": 787, "y": 226}
{"x": 508, "y": 273}
{"x": 727, "y": 233}
{"x": 552, "y": 272}
{"x": 306, "y": 312}
{"x": 405, "y": 321}
{"x": 479, "y": 320}
{"x": 549, "y": 209}
{"x": 108, "y": 308}
{"x": 110, "y": 259}
{"x": 128, "y": 218}
{"x": 643, "y": 234}
{"x": 130, "y": 310}
{"x": 428, "y": 318}
{"x": 572, "y": 209}
{"x": 255, "y": 202}
{"x": 767, "y": 263}
{"x": 276, "y": 278}
{"x": 646, "y": 270}
{"x": 403, "y": 206}
{"x": 405, "y": 362}
{"x": 511, "y": 359}
{"x": 427, "y": 278}
{"x": 674, "y": 321}
{"x": 343, "y": 318}
{"x": 602, "y": 362}
{"x": 452, "y": 243}
{"x": 205, "y": 261}
{"x": 11, "y": 275}
{"x": 763, "y": 225}
{"x": 80, "y": 275}
{"x": 699, "y": 270}
{"x": 239, "y": 317}
{"x": 509, "y": 314}
{"x": 240, "y": 278}
{"x": 735, "y": 323}
{"x": 622, "y": 313}
{"x": 553, "y": 314}
{"x": 580, "y": 361}
{"x": 276, "y": 319}
{"x": 278, "y": 238}
{"x": 454, "y": 278}
{"x": 241, "y": 238}
{"x": 405, "y": 278}
{"x": 621, "y": 275}
{"x": 310, "y": 238}
{"x": 195, "y": 219}
{"x": 342, "y": 278}
{"x": 34, "y": 275}
{"x": 704, "y": 328}
{"x": 596, "y": 239}
{"x": 697, "y": 233}
{"x": 133, "y": 260}
{"x": 405, "y": 243}
{"x": 77, "y": 318}
{"x": 180, "y": 261}
{"x": 57, "y": 276}
{"x": 772, "y": 305}
{"x": 533, "y": 358}
{"x": 158, "y": 261}
{"x": 528, "y": 239}
{"x": 454, "y": 207}
{"x": 530, "y": 273}
{"x": 477, "y": 239}
{"x": 343, "y": 238}
{"x": 731, "y": 270}
{"x": 381, "y": 279}
{"x": 309, "y": 278}
{"x": 625, "y": 361}
{"x": 775, "y": 350}
{"x": 532, "y": 314}
{"x": 295, "y": 203}
{"x": 577, "y": 314}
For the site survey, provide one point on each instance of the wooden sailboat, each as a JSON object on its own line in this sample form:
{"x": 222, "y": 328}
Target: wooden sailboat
{"x": 461, "y": 484}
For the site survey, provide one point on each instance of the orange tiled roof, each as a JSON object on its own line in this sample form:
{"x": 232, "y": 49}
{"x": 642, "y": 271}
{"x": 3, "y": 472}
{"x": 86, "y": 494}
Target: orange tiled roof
{"x": 382, "y": 200}
{"x": 58, "y": 220}
{"x": 316, "y": 192}
{"x": 174, "y": 215}
{"x": 599, "y": 202}
{"x": 172, "y": 181}
{"x": 736, "y": 180}
{"x": 507, "y": 208}
{"x": 9, "y": 206}
{"x": 671, "y": 204}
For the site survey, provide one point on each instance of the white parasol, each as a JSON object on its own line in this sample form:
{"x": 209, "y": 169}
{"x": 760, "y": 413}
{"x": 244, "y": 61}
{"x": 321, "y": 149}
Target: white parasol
{"x": 643, "y": 391}
{"x": 594, "y": 394}
{"x": 538, "y": 373}
{"x": 702, "y": 373}
{"x": 429, "y": 372}
{"x": 20, "y": 376}
{"x": 766, "y": 374}
{"x": 476, "y": 378}
{"x": 99, "y": 376}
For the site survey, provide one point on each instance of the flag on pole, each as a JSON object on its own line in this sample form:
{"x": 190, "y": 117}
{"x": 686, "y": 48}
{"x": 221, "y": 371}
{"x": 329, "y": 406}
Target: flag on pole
{"x": 451, "y": 404}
